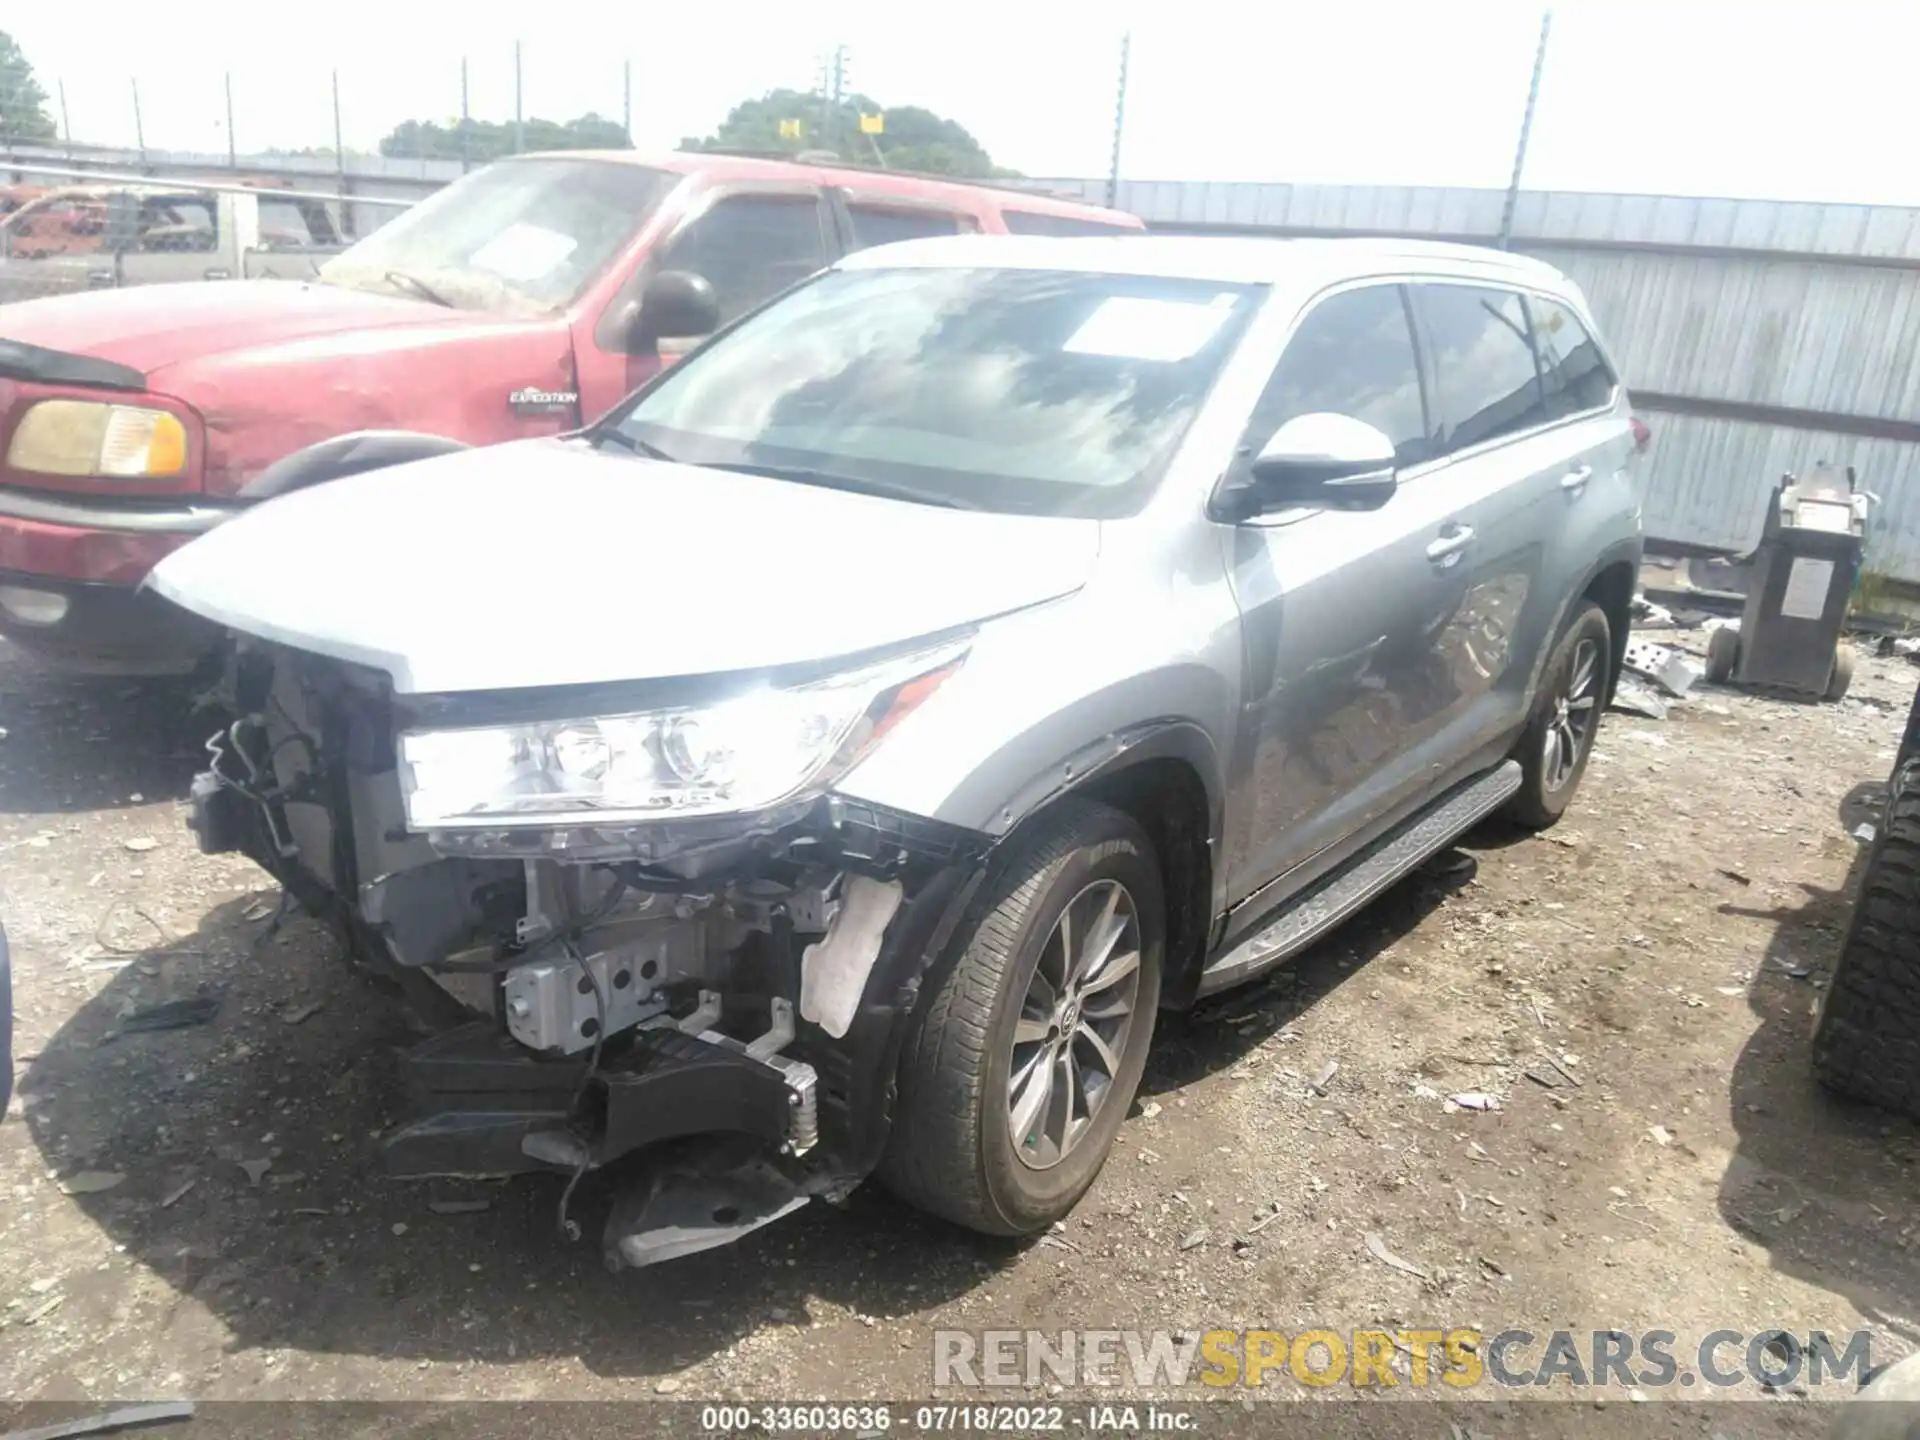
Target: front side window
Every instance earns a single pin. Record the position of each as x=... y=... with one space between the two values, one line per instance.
x=1352 y=355
x=750 y=247
x=521 y=237
x=1575 y=373
x=1033 y=391
x=1483 y=361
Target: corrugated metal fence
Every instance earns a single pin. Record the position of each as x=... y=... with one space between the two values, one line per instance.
x=1758 y=336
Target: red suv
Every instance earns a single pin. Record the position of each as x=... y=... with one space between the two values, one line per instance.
x=522 y=300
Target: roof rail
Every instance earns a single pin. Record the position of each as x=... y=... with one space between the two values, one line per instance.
x=854 y=167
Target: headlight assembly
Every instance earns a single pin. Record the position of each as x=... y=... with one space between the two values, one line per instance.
x=745 y=754
x=85 y=437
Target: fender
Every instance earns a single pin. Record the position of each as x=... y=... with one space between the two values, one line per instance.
x=1623 y=551
x=344 y=455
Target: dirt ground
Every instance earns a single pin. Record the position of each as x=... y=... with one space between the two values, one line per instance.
x=1665 y=943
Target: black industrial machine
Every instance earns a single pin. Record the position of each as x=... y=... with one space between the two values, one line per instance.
x=1801 y=579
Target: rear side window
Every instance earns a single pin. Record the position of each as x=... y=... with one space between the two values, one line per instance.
x=1483 y=362
x=1032 y=222
x=1575 y=373
x=179 y=224
x=874 y=225
x=1353 y=355
x=751 y=247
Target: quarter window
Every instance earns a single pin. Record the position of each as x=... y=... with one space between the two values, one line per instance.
x=1033 y=222
x=873 y=225
x=1353 y=355
x=1488 y=382
x=751 y=247
x=1575 y=373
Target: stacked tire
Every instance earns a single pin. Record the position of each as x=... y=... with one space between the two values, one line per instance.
x=1866 y=1042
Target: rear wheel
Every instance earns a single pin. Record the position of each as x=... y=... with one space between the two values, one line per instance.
x=1558 y=740
x=1028 y=1051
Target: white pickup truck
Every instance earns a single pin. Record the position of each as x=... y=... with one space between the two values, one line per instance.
x=93 y=236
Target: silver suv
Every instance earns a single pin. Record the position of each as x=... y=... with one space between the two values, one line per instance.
x=830 y=762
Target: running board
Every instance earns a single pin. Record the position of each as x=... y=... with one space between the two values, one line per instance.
x=1336 y=899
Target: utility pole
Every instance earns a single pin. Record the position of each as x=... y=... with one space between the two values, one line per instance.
x=1119 y=122
x=519 y=121
x=233 y=150
x=1526 y=130
x=833 y=81
x=463 y=115
x=66 y=130
x=139 y=131
x=626 y=98
x=340 y=161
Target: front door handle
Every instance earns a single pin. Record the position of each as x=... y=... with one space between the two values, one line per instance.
x=1446 y=549
x=1576 y=480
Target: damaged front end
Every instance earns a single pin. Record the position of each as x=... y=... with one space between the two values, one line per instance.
x=655 y=930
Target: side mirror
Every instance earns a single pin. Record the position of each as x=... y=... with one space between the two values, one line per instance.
x=676 y=305
x=1320 y=461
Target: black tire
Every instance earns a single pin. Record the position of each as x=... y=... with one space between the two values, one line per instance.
x=1910 y=737
x=1723 y=653
x=1866 y=1041
x=1841 y=676
x=951 y=1151
x=1540 y=803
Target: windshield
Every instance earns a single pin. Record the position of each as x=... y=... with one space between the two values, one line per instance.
x=523 y=237
x=1036 y=391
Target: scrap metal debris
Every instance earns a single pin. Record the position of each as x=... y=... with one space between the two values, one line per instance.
x=1377 y=1247
x=458 y=1207
x=91 y=1182
x=126 y=1418
x=255 y=1169
x=1195 y=1238
x=1661 y=1135
x=1325 y=1078
x=299 y=1013
x=1665 y=667
x=179 y=1190
x=1637 y=699
x=1472 y=1100
x=140 y=844
x=172 y=1015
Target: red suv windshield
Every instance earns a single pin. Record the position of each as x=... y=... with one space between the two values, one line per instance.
x=524 y=237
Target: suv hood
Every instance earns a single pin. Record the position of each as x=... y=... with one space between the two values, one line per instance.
x=150 y=327
x=545 y=562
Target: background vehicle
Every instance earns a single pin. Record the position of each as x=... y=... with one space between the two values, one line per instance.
x=88 y=237
x=521 y=300
x=1055 y=631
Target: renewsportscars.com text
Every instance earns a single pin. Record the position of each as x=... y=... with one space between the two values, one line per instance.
x=1455 y=1358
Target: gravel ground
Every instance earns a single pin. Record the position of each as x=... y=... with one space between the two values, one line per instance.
x=1665 y=944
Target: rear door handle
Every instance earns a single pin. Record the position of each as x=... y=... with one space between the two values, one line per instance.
x=1576 y=480
x=1446 y=549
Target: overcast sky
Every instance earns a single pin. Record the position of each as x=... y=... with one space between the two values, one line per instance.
x=1780 y=98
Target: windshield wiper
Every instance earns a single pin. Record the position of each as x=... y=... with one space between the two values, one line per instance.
x=828 y=480
x=403 y=281
x=635 y=444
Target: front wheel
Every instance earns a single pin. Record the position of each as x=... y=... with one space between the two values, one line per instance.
x=1026 y=1055
x=1558 y=740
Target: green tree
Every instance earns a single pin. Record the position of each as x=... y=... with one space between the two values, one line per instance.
x=23 y=104
x=913 y=138
x=490 y=139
